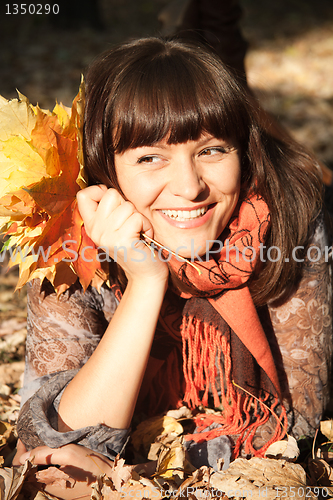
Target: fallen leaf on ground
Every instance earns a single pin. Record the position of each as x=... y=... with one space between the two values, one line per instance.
x=55 y=477
x=148 y=430
x=120 y=473
x=286 y=449
x=261 y=478
x=103 y=490
x=6 y=432
x=10 y=373
x=326 y=428
x=182 y=412
x=171 y=460
x=12 y=480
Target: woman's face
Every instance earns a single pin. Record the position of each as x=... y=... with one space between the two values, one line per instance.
x=188 y=191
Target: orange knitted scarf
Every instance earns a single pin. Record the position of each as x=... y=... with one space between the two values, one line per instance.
x=209 y=324
x=209 y=351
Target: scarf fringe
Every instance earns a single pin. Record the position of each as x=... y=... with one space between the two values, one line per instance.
x=206 y=358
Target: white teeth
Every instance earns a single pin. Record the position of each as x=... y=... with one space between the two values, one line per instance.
x=183 y=215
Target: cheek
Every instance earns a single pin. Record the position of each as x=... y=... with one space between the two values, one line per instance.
x=229 y=182
x=142 y=192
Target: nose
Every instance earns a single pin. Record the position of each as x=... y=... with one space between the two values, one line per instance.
x=187 y=180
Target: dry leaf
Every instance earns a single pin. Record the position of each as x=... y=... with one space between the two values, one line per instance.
x=326 y=428
x=198 y=486
x=11 y=480
x=102 y=490
x=161 y=443
x=261 y=478
x=182 y=412
x=286 y=449
x=55 y=477
x=120 y=473
x=199 y=478
x=325 y=454
x=148 y=430
x=5 y=432
x=171 y=461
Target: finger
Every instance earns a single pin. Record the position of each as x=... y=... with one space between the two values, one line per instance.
x=141 y=225
x=109 y=202
x=40 y=456
x=120 y=215
x=20 y=449
x=88 y=200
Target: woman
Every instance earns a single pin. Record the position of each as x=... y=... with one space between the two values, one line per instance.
x=233 y=313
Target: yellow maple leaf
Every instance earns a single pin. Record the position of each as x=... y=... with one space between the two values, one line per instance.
x=41 y=170
x=20 y=165
x=17 y=118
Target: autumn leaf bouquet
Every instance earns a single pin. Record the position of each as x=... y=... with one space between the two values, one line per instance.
x=41 y=170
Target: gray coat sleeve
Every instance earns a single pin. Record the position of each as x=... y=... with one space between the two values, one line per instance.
x=38 y=421
x=62 y=334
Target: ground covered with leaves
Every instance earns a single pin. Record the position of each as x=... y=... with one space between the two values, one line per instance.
x=289 y=66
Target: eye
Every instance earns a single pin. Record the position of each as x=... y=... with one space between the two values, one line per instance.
x=213 y=151
x=148 y=159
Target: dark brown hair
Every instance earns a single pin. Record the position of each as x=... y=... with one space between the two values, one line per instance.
x=150 y=89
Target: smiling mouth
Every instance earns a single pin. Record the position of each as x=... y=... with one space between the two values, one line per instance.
x=185 y=215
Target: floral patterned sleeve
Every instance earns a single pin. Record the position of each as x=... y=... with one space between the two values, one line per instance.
x=62 y=334
x=303 y=329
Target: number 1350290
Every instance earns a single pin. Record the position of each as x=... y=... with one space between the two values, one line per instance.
x=289 y=492
x=31 y=8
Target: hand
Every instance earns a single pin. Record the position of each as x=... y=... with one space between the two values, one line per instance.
x=116 y=226
x=80 y=463
x=76 y=460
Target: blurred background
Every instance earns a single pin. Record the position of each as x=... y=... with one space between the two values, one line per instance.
x=289 y=60
x=289 y=65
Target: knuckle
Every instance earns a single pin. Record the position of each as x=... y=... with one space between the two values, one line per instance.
x=80 y=195
x=84 y=193
x=128 y=206
x=113 y=194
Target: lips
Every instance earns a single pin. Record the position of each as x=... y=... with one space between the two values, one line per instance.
x=190 y=218
x=185 y=215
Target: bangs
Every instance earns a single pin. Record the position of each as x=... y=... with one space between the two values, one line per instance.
x=177 y=98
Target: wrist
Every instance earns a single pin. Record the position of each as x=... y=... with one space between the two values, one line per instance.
x=148 y=284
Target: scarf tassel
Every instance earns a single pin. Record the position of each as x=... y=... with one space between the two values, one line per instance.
x=206 y=359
